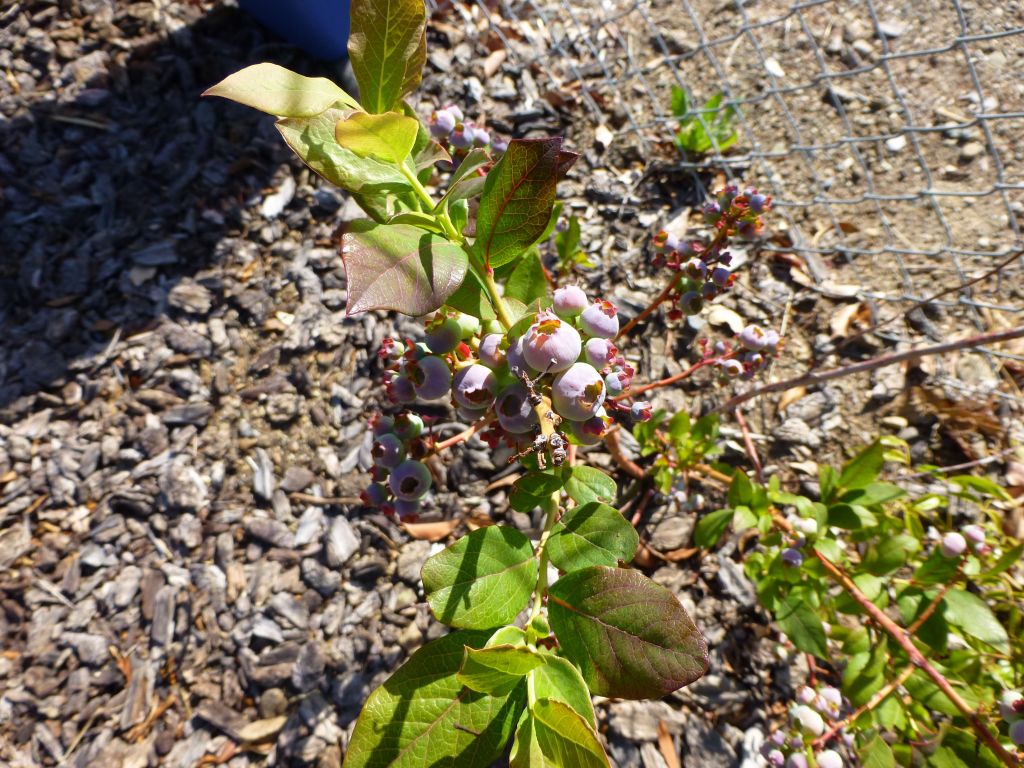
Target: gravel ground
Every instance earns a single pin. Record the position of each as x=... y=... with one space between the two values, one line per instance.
x=182 y=401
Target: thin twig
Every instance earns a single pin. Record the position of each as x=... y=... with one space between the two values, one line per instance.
x=668 y=381
x=882 y=694
x=819 y=377
x=666 y=291
x=323 y=501
x=939 y=596
x=614 y=445
x=465 y=434
x=749 y=443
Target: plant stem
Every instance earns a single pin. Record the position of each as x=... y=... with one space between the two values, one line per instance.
x=877 y=699
x=815 y=377
x=492 y=291
x=465 y=434
x=669 y=380
x=550 y=518
x=614 y=446
x=658 y=300
x=418 y=188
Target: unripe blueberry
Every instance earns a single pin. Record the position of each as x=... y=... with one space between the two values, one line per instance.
x=640 y=411
x=431 y=377
x=578 y=392
x=390 y=349
x=809 y=721
x=666 y=241
x=401 y=389
x=616 y=383
x=1017 y=733
x=806 y=525
x=696 y=269
x=441 y=123
x=805 y=694
x=515 y=414
x=405 y=508
x=829 y=758
x=732 y=368
x=515 y=358
x=691 y=302
x=953 y=545
x=588 y=432
x=775 y=758
x=1011 y=706
x=408 y=426
x=473 y=386
x=461 y=136
x=444 y=336
x=551 y=345
x=794 y=558
x=796 y=760
x=712 y=213
x=759 y=203
x=374 y=495
x=387 y=451
x=720 y=276
x=410 y=480
x=599 y=352
x=974 y=534
x=469 y=325
x=490 y=352
x=752 y=337
x=383 y=425
x=569 y=301
x=600 y=319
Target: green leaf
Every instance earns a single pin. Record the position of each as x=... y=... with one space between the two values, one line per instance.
x=1008 y=559
x=553 y=735
x=558 y=679
x=399 y=267
x=741 y=491
x=424 y=221
x=281 y=92
x=465 y=182
x=482 y=580
x=388 y=48
x=943 y=757
x=851 y=517
x=586 y=484
x=970 y=613
x=863 y=468
x=517 y=198
x=629 y=636
x=527 y=281
x=680 y=101
x=471 y=298
x=876 y=754
x=802 y=626
x=827 y=479
x=937 y=569
x=497 y=669
x=312 y=139
x=890 y=553
x=923 y=689
x=983 y=485
x=591 y=534
x=388 y=137
x=872 y=493
x=865 y=674
x=711 y=527
x=422 y=715
x=539 y=483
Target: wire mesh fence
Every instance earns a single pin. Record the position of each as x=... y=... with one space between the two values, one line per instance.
x=889 y=134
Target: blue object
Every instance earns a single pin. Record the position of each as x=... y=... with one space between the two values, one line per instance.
x=319 y=27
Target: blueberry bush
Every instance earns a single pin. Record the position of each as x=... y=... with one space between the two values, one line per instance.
x=456 y=224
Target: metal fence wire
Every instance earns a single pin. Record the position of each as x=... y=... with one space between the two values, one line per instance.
x=888 y=133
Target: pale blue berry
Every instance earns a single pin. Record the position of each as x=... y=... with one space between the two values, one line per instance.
x=490 y=351
x=410 y=480
x=600 y=319
x=569 y=301
x=473 y=386
x=551 y=345
x=387 y=451
x=578 y=392
x=515 y=414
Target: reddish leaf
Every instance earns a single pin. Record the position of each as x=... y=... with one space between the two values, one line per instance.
x=399 y=267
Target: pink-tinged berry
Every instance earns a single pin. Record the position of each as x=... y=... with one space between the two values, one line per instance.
x=431 y=377
x=408 y=426
x=732 y=368
x=829 y=701
x=569 y=301
x=796 y=760
x=410 y=480
x=809 y=721
x=1017 y=733
x=442 y=121
x=481 y=138
x=953 y=545
x=374 y=495
x=1011 y=706
x=390 y=349
x=578 y=392
x=498 y=146
x=490 y=351
x=805 y=694
x=599 y=352
x=753 y=337
x=600 y=319
x=617 y=382
x=640 y=411
x=443 y=335
x=382 y=425
x=387 y=451
x=974 y=534
x=588 y=432
x=829 y=758
x=406 y=509
x=794 y=558
x=462 y=136
x=473 y=386
x=515 y=414
x=775 y=758
x=551 y=345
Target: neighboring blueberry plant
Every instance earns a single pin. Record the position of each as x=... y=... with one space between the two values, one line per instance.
x=539 y=368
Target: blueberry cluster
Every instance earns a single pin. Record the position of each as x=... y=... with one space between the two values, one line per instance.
x=954 y=544
x=1011 y=707
x=808 y=718
x=400 y=479
x=704 y=267
x=754 y=346
x=449 y=127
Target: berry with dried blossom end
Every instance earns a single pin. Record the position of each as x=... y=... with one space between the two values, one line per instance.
x=829 y=758
x=696 y=269
x=691 y=302
x=578 y=392
x=617 y=382
x=775 y=758
x=599 y=352
x=515 y=414
x=1017 y=733
x=758 y=203
x=712 y=213
x=720 y=276
x=382 y=424
x=600 y=319
x=473 y=386
x=387 y=451
x=551 y=345
x=640 y=411
x=443 y=336
x=974 y=534
x=490 y=352
x=442 y=121
x=410 y=480
x=953 y=545
x=1011 y=706
x=401 y=389
x=809 y=721
x=665 y=241
x=408 y=426
x=588 y=432
x=794 y=558
x=732 y=368
x=391 y=349
x=829 y=701
x=569 y=301
x=753 y=337
x=462 y=136
x=431 y=378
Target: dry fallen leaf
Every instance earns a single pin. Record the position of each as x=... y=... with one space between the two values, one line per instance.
x=262 y=730
x=431 y=531
x=722 y=315
x=850 y=318
x=667 y=746
x=790 y=396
